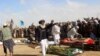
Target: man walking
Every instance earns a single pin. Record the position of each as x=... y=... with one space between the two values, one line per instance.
x=7 y=40
x=41 y=36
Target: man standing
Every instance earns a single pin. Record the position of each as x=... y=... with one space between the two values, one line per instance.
x=41 y=36
x=56 y=33
x=7 y=40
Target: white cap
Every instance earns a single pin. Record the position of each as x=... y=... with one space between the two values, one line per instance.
x=96 y=22
x=5 y=24
x=85 y=21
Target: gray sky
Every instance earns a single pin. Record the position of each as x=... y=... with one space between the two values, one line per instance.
x=59 y=10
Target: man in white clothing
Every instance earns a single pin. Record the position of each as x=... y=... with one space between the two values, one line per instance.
x=72 y=31
x=56 y=33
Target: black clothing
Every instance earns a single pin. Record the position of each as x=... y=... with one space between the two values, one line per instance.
x=8 y=44
x=41 y=33
x=49 y=27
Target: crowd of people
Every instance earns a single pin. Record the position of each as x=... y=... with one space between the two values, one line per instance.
x=88 y=27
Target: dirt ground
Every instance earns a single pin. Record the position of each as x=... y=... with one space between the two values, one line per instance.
x=26 y=50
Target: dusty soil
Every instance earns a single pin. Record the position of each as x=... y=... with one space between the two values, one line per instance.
x=26 y=50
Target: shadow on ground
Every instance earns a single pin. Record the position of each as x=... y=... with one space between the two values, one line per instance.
x=33 y=45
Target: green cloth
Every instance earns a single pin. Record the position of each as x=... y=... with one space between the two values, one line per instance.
x=6 y=33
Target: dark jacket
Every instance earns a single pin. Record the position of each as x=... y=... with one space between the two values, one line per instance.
x=41 y=33
x=1 y=36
